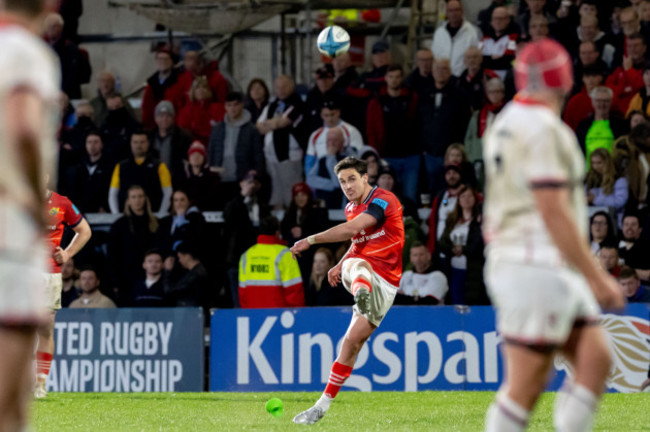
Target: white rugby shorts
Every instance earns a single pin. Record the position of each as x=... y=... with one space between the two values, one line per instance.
x=381 y=296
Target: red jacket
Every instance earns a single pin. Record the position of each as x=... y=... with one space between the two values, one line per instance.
x=198 y=118
x=625 y=85
x=155 y=92
x=375 y=126
x=218 y=84
x=577 y=109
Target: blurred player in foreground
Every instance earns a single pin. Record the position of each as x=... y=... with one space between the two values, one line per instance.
x=60 y=212
x=541 y=277
x=371 y=269
x=29 y=89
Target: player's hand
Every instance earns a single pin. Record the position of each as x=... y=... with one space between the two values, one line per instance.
x=334 y=275
x=60 y=255
x=299 y=247
x=608 y=293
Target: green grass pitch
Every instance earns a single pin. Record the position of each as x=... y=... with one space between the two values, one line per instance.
x=352 y=411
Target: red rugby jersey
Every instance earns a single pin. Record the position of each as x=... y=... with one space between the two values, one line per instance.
x=380 y=245
x=60 y=213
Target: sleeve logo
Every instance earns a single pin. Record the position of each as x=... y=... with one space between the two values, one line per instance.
x=380 y=202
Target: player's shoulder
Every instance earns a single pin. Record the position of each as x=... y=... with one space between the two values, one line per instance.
x=60 y=199
x=18 y=42
x=380 y=195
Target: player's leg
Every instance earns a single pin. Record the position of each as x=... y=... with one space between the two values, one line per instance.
x=576 y=403
x=359 y=274
x=527 y=368
x=16 y=346
x=44 y=354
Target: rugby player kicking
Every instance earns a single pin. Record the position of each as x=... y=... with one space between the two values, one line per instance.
x=371 y=269
x=544 y=283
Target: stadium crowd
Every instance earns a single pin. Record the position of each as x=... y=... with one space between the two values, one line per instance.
x=201 y=146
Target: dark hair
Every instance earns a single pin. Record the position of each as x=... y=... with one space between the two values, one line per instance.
x=261 y=82
x=234 y=97
x=393 y=68
x=634 y=215
x=456 y=215
x=187 y=248
x=611 y=235
x=95 y=132
x=637 y=36
x=32 y=8
x=627 y=272
x=153 y=252
x=350 y=162
x=609 y=245
x=417 y=244
x=269 y=225
x=139 y=132
x=90 y=268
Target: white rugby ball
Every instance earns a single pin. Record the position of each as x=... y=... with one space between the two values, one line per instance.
x=333 y=40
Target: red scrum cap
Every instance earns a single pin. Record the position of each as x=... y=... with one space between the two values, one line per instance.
x=543 y=65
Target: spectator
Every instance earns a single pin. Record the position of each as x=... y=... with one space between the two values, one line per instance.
x=73 y=141
x=627 y=80
x=129 y=238
x=257 y=97
x=538 y=28
x=318 y=95
x=500 y=42
x=392 y=129
x=200 y=181
x=69 y=277
x=462 y=244
x=641 y=99
x=305 y=215
x=444 y=116
x=473 y=78
x=633 y=249
x=235 y=146
x=71 y=11
x=345 y=74
x=608 y=258
x=169 y=143
x=423 y=285
x=67 y=112
x=117 y=129
x=588 y=58
x=91 y=297
x=185 y=224
x=196 y=65
x=485 y=15
x=193 y=286
x=630 y=25
x=601 y=231
x=319 y=292
x=536 y=9
x=75 y=67
x=443 y=204
x=162 y=85
x=603 y=187
x=321 y=178
x=588 y=31
x=90 y=179
x=331 y=118
x=420 y=80
x=105 y=89
x=580 y=105
x=636 y=117
x=454 y=36
x=635 y=161
x=602 y=127
x=456 y=155
x=615 y=29
x=481 y=120
x=631 y=286
x=200 y=113
x=268 y=276
x=387 y=180
x=143 y=170
x=149 y=290
x=371 y=157
x=282 y=125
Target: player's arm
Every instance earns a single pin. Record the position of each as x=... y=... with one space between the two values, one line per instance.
x=82 y=235
x=552 y=200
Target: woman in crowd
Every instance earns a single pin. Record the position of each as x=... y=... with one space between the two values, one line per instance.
x=199 y=181
x=636 y=117
x=319 y=291
x=603 y=187
x=201 y=112
x=129 y=238
x=462 y=246
x=601 y=231
x=257 y=97
x=184 y=224
x=483 y=118
x=370 y=155
x=457 y=155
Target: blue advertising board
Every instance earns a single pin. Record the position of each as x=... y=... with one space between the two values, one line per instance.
x=415 y=348
x=128 y=350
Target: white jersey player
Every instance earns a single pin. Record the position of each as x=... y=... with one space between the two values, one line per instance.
x=29 y=89
x=541 y=277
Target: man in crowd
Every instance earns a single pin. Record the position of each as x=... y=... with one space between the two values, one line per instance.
x=633 y=249
x=162 y=85
x=474 y=77
x=192 y=287
x=580 y=106
x=69 y=276
x=169 y=143
x=627 y=79
x=536 y=9
x=143 y=170
x=318 y=95
x=631 y=286
x=420 y=79
x=423 y=285
x=500 y=42
x=196 y=65
x=117 y=129
x=608 y=257
x=91 y=297
x=321 y=178
x=149 y=291
x=105 y=89
x=443 y=204
x=454 y=36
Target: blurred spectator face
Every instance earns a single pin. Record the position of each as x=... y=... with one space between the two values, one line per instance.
x=454 y=14
x=602 y=103
x=629 y=286
x=500 y=19
x=467 y=200
x=608 y=258
x=334 y=141
x=321 y=264
x=589 y=28
x=164 y=62
x=616 y=16
x=636 y=49
x=536 y=6
x=67 y=270
x=636 y=119
x=283 y=87
x=597 y=164
x=424 y=61
x=599 y=228
x=180 y=203
x=373 y=165
x=441 y=71
x=106 y=84
x=452 y=177
x=196 y=159
x=631 y=228
x=114 y=103
x=394 y=80
x=248 y=187
x=381 y=59
x=84 y=110
x=454 y=157
x=88 y=281
x=592 y=81
x=53 y=27
x=386 y=181
x=234 y=109
x=341 y=62
x=644 y=11
x=420 y=257
x=202 y=92
x=331 y=117
x=629 y=22
x=538 y=28
x=153 y=264
x=136 y=200
x=496 y=93
x=185 y=260
x=588 y=54
x=301 y=199
x=473 y=58
x=191 y=62
x=636 y=4
x=94 y=145
x=257 y=92
x=139 y=145
x=324 y=84
x=164 y=121
x=587 y=9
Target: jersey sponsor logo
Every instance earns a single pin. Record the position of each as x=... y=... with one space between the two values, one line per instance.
x=54 y=211
x=380 y=202
x=364 y=238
